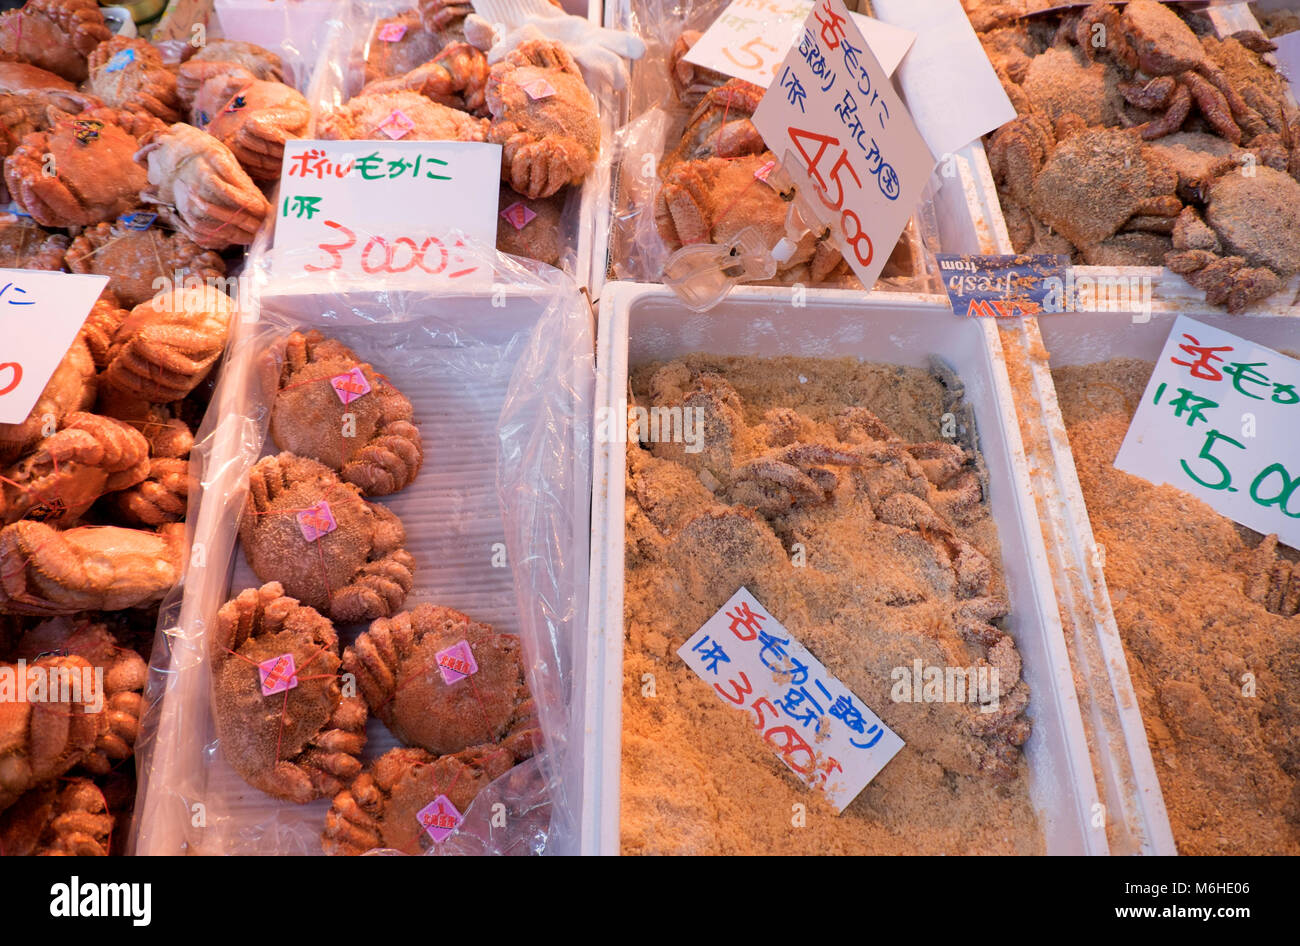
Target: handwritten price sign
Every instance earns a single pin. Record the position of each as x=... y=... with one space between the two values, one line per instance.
x=751 y=37
x=821 y=731
x=1219 y=420
x=40 y=314
x=842 y=133
x=367 y=209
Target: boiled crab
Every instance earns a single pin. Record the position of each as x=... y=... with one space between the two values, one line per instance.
x=139 y=262
x=456 y=77
x=71 y=388
x=200 y=188
x=300 y=745
x=544 y=118
x=221 y=56
x=332 y=407
x=24 y=245
x=56 y=35
x=442 y=681
x=130 y=73
x=68 y=817
x=400 y=115
x=328 y=547
x=253 y=118
x=41 y=739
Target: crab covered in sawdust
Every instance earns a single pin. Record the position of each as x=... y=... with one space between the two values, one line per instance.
x=56 y=35
x=397 y=45
x=200 y=188
x=67 y=817
x=405 y=115
x=456 y=77
x=530 y=228
x=443 y=682
x=405 y=794
x=221 y=56
x=1247 y=245
x=332 y=407
x=167 y=346
x=1271 y=580
x=71 y=388
x=332 y=550
x=41 y=739
x=83 y=170
x=282 y=720
x=1172 y=70
x=124 y=674
x=253 y=118
x=130 y=73
x=136 y=261
x=88 y=568
x=691 y=82
x=544 y=118
x=69 y=470
x=1086 y=183
x=24 y=245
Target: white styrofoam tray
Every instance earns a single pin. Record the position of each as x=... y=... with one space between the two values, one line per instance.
x=640 y=323
x=465 y=352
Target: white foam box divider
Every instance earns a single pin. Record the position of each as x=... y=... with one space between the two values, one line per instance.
x=643 y=323
x=451 y=512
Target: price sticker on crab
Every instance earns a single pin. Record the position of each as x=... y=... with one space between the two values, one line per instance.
x=843 y=135
x=393 y=209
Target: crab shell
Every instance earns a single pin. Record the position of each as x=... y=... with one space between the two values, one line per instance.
x=254 y=119
x=56 y=35
x=85 y=458
x=68 y=817
x=24 y=77
x=24 y=245
x=415 y=47
x=300 y=744
x=382 y=807
x=42 y=740
x=25 y=113
x=370 y=440
x=363 y=117
x=357 y=571
x=548 y=141
x=167 y=346
x=139 y=262
x=71 y=388
x=721 y=126
x=81 y=171
x=145 y=83
x=203 y=191
x=89 y=568
x=396 y=664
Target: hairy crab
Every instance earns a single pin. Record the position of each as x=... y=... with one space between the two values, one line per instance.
x=130 y=73
x=400 y=115
x=24 y=245
x=456 y=77
x=226 y=55
x=200 y=188
x=544 y=118
x=328 y=547
x=401 y=665
x=68 y=817
x=71 y=388
x=56 y=35
x=333 y=408
x=305 y=743
x=253 y=118
x=41 y=739
x=140 y=261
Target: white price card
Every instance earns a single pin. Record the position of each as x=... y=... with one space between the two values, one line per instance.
x=821 y=731
x=1219 y=419
x=379 y=210
x=842 y=133
x=751 y=37
x=40 y=314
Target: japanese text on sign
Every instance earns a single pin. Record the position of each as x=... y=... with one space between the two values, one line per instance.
x=340 y=203
x=821 y=731
x=844 y=136
x=40 y=313
x=1219 y=420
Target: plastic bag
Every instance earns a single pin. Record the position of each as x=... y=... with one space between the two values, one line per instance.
x=502 y=387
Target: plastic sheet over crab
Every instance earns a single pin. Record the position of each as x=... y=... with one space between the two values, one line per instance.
x=496 y=520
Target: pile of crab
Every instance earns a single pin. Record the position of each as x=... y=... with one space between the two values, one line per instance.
x=290 y=699
x=1140 y=141
x=123 y=165
x=418 y=78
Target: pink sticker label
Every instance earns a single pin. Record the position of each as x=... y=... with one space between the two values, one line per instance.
x=396 y=125
x=278 y=674
x=316 y=521
x=440 y=818
x=392 y=32
x=456 y=662
x=763 y=172
x=350 y=385
x=518 y=215
x=539 y=89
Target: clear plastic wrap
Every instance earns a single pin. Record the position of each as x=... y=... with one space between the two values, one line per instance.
x=582 y=226
x=655 y=120
x=497 y=520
